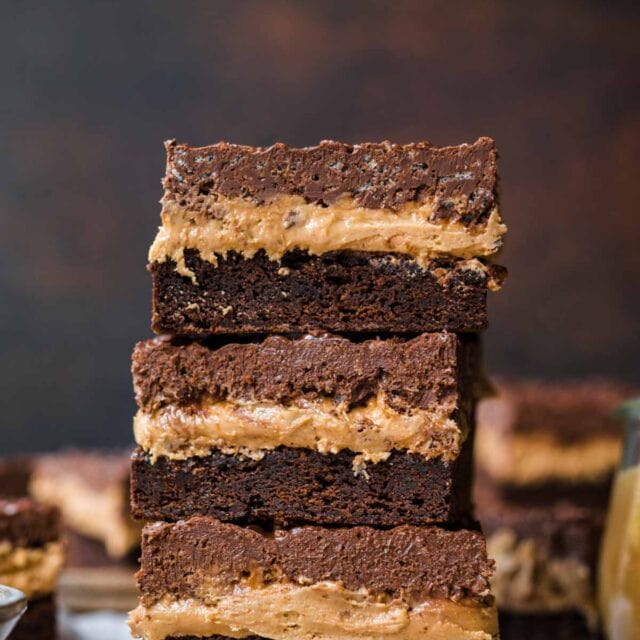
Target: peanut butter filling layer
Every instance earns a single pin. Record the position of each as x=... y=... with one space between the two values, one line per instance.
x=98 y=515
x=539 y=457
x=220 y=225
x=529 y=581
x=251 y=427
x=324 y=610
x=33 y=570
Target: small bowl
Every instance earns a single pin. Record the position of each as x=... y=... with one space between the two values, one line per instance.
x=12 y=605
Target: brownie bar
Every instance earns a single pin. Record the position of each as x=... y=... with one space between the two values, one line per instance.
x=340 y=291
x=15 y=473
x=337 y=582
x=38 y=622
x=299 y=485
x=91 y=489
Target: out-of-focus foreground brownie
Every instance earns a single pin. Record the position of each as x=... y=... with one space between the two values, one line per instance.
x=31 y=556
x=407 y=582
x=371 y=237
x=545 y=455
x=317 y=429
x=91 y=489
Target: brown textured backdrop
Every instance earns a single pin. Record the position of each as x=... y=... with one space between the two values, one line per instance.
x=90 y=90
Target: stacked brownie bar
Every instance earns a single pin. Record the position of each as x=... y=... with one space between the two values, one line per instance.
x=305 y=427
x=545 y=455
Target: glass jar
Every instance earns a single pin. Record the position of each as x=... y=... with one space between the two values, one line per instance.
x=619 y=574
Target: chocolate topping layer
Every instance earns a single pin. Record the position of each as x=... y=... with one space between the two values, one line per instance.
x=289 y=486
x=432 y=371
x=411 y=563
x=376 y=175
x=26 y=523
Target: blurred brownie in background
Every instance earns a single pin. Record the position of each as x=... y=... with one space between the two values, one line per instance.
x=15 y=474
x=91 y=489
x=545 y=456
x=31 y=557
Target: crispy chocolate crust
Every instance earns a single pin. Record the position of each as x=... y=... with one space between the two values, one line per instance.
x=428 y=372
x=571 y=410
x=302 y=486
x=341 y=291
x=412 y=563
x=38 y=622
x=561 y=625
x=376 y=175
x=26 y=523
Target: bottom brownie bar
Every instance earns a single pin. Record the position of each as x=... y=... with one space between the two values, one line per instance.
x=38 y=622
x=301 y=485
x=201 y=578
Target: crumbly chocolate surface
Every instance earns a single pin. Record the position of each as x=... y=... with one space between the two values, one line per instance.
x=299 y=485
x=376 y=175
x=432 y=371
x=341 y=291
x=38 y=621
x=26 y=523
x=412 y=563
x=570 y=410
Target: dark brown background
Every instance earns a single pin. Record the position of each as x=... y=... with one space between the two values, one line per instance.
x=90 y=90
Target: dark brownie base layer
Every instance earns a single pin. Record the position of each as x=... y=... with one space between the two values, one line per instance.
x=342 y=291
x=300 y=485
x=407 y=562
x=26 y=523
x=564 y=625
x=38 y=622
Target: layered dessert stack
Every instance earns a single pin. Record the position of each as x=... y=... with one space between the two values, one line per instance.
x=545 y=456
x=305 y=426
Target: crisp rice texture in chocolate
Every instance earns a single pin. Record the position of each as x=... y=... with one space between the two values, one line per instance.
x=432 y=371
x=339 y=291
x=376 y=175
x=26 y=523
x=299 y=485
x=412 y=563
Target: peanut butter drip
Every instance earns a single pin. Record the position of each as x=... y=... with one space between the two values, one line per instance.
x=252 y=427
x=32 y=570
x=326 y=610
x=220 y=225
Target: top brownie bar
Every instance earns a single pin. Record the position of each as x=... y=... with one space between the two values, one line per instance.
x=369 y=237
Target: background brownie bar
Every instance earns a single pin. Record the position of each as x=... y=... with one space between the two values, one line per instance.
x=560 y=625
x=25 y=523
x=340 y=291
x=299 y=485
x=15 y=473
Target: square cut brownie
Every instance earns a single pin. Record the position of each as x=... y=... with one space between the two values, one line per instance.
x=205 y=579
x=317 y=429
x=31 y=557
x=374 y=237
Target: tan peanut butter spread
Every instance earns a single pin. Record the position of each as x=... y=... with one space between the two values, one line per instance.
x=32 y=570
x=251 y=427
x=529 y=581
x=101 y=515
x=539 y=457
x=289 y=222
x=324 y=610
